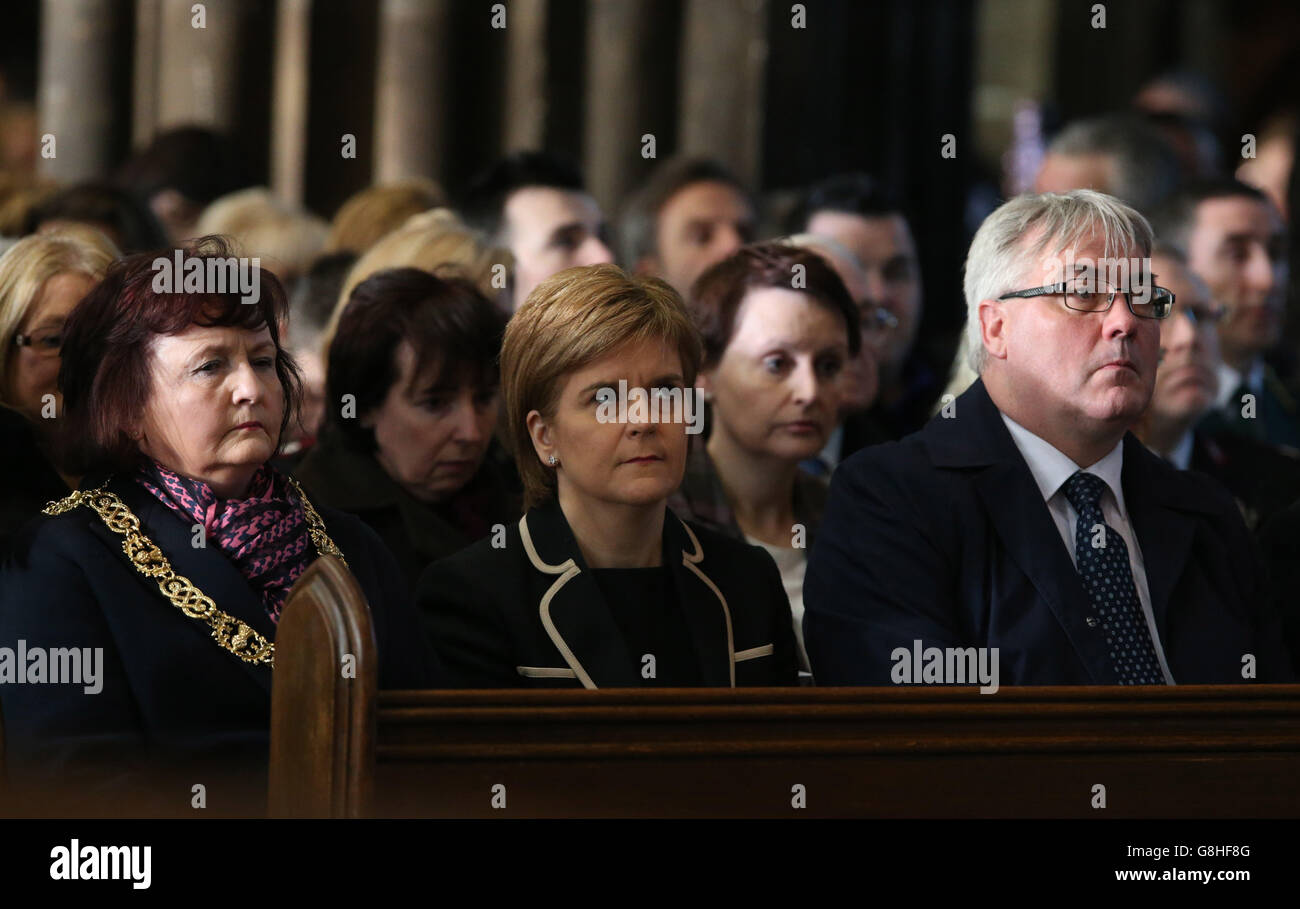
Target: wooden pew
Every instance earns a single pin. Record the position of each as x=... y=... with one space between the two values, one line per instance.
x=341 y=749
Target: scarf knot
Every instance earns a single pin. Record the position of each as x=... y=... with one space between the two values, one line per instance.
x=264 y=534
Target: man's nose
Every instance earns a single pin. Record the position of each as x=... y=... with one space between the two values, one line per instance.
x=594 y=252
x=1119 y=321
x=1261 y=271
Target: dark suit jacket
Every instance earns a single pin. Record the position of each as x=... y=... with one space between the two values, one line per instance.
x=530 y=614
x=418 y=534
x=28 y=481
x=944 y=537
x=168 y=690
x=1263 y=478
x=1276 y=420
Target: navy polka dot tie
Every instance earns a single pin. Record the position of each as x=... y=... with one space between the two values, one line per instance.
x=1103 y=564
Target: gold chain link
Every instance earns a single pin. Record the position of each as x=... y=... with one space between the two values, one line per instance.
x=229 y=632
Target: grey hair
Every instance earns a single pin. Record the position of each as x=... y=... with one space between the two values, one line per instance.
x=1145 y=169
x=819 y=243
x=1000 y=250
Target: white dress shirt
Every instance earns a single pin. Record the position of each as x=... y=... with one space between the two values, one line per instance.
x=792 y=563
x=1230 y=380
x=1051 y=468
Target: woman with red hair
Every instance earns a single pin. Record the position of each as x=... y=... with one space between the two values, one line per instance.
x=176 y=399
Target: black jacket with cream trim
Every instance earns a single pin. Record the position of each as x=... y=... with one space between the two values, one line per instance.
x=530 y=613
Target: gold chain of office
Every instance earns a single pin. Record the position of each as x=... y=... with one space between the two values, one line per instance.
x=229 y=632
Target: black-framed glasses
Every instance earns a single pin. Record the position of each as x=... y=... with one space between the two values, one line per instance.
x=44 y=343
x=1099 y=297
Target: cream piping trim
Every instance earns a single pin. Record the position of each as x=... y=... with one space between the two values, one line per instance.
x=545 y=672
x=754 y=653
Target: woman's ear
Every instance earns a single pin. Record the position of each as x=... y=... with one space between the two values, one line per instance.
x=539 y=430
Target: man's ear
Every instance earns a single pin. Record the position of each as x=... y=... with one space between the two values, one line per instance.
x=993 y=328
x=539 y=430
x=704 y=382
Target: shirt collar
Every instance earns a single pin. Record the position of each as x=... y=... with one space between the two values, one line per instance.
x=1051 y=467
x=1181 y=455
x=1230 y=380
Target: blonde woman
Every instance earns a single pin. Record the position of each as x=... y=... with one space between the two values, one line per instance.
x=435 y=241
x=42 y=279
x=600 y=584
x=372 y=213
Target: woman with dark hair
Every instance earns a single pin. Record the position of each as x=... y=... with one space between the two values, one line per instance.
x=172 y=561
x=411 y=391
x=779 y=327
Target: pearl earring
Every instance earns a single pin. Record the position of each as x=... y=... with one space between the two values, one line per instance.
x=553 y=460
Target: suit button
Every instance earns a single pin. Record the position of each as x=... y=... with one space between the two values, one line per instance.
x=1092 y=621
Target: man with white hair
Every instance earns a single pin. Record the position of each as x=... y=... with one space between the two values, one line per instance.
x=1025 y=522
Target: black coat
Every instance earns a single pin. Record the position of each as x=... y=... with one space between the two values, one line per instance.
x=944 y=537
x=417 y=533
x=28 y=481
x=531 y=614
x=168 y=690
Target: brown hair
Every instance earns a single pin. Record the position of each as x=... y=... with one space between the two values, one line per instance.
x=718 y=293
x=571 y=319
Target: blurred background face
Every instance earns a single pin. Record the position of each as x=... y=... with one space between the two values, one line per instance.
x=34 y=370
x=860 y=379
x=885 y=250
x=1186 y=380
x=431 y=438
x=549 y=230
x=1097 y=368
x=1062 y=173
x=776 y=390
x=632 y=463
x=215 y=405
x=1237 y=245
x=701 y=224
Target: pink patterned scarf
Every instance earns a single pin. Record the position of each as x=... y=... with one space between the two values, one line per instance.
x=264 y=534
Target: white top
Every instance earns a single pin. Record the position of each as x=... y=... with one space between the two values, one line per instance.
x=1051 y=468
x=1230 y=380
x=1181 y=456
x=791 y=563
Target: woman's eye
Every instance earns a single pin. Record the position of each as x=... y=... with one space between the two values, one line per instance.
x=209 y=367
x=265 y=362
x=774 y=364
x=51 y=342
x=830 y=367
x=434 y=403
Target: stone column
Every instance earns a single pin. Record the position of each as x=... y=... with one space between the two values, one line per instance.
x=198 y=63
x=723 y=66
x=289 y=108
x=524 y=126
x=619 y=107
x=410 y=107
x=74 y=94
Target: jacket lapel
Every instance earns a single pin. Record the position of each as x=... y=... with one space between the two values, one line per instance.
x=570 y=605
x=977 y=437
x=708 y=615
x=207 y=568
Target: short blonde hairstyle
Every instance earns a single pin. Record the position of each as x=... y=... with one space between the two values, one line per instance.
x=438 y=242
x=33 y=260
x=378 y=210
x=571 y=319
x=285 y=239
